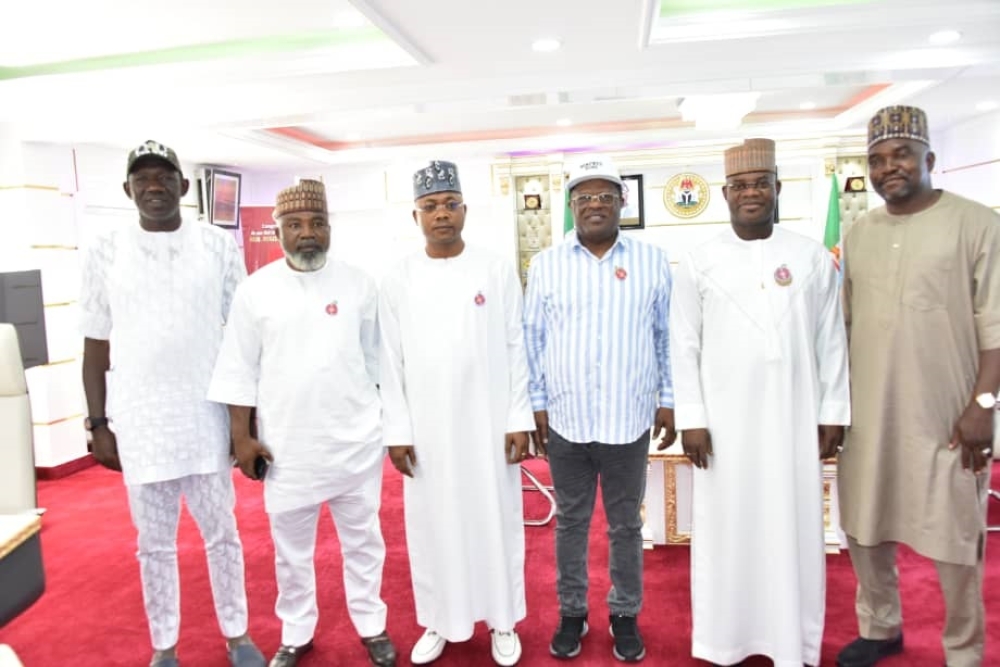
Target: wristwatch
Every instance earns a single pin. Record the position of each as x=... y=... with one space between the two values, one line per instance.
x=91 y=423
x=987 y=401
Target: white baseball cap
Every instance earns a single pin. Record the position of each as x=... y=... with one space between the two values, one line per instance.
x=591 y=167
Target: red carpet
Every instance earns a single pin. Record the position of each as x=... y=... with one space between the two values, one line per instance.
x=91 y=613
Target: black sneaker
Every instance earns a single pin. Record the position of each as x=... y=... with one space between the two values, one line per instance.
x=628 y=641
x=866 y=652
x=566 y=642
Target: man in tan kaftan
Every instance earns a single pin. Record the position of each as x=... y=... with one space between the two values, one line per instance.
x=922 y=304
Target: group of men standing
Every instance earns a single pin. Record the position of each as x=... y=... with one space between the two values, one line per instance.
x=745 y=351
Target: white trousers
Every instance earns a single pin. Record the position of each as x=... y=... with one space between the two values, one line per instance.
x=355 y=515
x=156 y=509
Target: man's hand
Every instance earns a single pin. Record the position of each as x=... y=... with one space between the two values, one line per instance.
x=974 y=434
x=516 y=447
x=664 y=423
x=542 y=434
x=404 y=458
x=831 y=440
x=246 y=450
x=697 y=445
x=105 y=448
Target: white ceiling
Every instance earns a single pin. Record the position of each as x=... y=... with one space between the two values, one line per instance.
x=373 y=80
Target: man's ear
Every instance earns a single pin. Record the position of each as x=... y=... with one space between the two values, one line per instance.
x=185 y=184
x=127 y=189
x=417 y=222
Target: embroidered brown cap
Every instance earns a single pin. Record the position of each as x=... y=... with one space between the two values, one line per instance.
x=307 y=196
x=751 y=155
x=898 y=122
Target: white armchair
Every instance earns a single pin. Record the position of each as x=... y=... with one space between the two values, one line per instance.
x=17 y=474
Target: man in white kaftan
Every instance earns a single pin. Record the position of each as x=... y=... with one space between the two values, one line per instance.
x=454 y=388
x=153 y=301
x=301 y=346
x=759 y=356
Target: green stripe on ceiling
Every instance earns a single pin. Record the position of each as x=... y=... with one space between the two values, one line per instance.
x=304 y=41
x=672 y=8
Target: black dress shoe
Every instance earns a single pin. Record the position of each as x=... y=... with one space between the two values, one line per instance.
x=866 y=652
x=380 y=650
x=288 y=656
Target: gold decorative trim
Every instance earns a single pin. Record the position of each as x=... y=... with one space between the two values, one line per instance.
x=58 y=305
x=21 y=537
x=54 y=247
x=58 y=421
x=670 y=463
x=30 y=186
x=712 y=184
x=61 y=362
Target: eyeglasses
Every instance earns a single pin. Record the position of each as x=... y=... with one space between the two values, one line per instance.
x=604 y=199
x=430 y=207
x=759 y=184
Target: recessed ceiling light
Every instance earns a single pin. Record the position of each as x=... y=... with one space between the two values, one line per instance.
x=943 y=37
x=564 y=122
x=988 y=105
x=546 y=45
x=807 y=106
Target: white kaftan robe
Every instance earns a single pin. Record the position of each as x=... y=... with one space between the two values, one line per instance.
x=760 y=365
x=302 y=346
x=161 y=298
x=454 y=382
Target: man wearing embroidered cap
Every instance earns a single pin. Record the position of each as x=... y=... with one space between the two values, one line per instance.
x=157 y=293
x=922 y=303
x=301 y=346
x=454 y=386
x=759 y=355
x=596 y=331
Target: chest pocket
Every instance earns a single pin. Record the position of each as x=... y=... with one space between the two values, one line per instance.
x=926 y=280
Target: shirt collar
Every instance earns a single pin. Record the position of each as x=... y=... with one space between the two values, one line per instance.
x=622 y=243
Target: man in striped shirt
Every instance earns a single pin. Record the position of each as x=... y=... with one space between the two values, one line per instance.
x=595 y=327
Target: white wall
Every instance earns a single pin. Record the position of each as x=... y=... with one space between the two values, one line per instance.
x=968 y=159
x=372 y=210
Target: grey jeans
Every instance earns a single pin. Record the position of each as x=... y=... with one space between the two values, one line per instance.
x=576 y=468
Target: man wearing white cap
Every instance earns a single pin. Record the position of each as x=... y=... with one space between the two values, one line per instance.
x=454 y=385
x=759 y=355
x=301 y=346
x=922 y=300
x=154 y=298
x=595 y=326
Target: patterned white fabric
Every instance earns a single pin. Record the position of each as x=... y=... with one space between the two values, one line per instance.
x=161 y=298
x=155 y=511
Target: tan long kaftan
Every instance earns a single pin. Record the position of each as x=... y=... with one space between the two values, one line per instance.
x=922 y=298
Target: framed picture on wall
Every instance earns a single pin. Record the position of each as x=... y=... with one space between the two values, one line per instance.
x=224 y=198
x=633 y=213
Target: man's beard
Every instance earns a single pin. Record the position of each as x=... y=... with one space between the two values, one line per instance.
x=309 y=260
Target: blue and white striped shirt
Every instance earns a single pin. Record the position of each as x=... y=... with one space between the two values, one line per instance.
x=597 y=339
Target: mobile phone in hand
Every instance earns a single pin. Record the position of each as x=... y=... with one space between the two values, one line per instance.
x=260 y=468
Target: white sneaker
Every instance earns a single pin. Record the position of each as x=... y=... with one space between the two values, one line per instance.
x=428 y=648
x=506 y=647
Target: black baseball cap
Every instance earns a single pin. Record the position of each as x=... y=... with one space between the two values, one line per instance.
x=153 y=150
